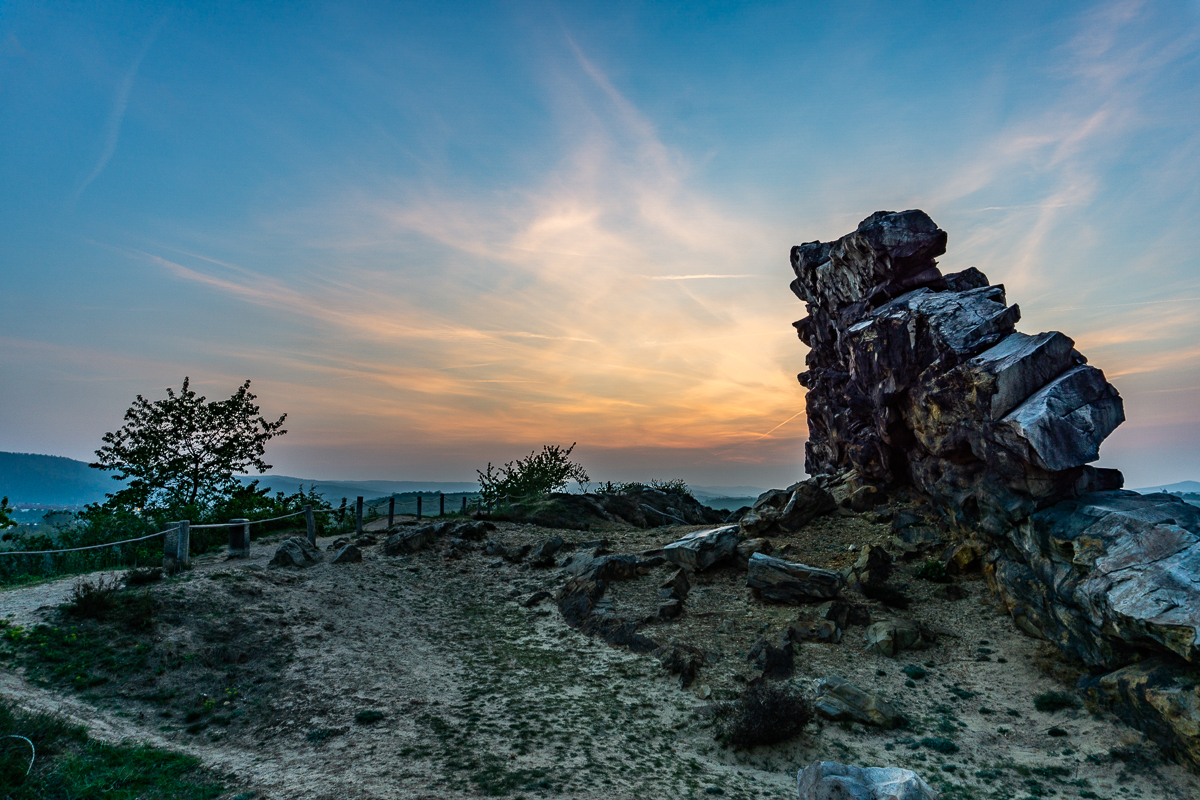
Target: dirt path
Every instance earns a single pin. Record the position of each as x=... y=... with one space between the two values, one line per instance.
x=477 y=695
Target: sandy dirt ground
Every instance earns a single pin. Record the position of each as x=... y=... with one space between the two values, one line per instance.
x=423 y=676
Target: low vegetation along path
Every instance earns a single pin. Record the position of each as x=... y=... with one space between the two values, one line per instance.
x=429 y=676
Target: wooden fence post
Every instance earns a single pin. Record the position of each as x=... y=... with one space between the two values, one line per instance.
x=311 y=522
x=239 y=538
x=184 y=554
x=464 y=508
x=391 y=510
x=170 y=548
x=418 y=506
x=358 y=505
x=441 y=504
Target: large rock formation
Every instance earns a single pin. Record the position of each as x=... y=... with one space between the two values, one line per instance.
x=920 y=380
x=918 y=377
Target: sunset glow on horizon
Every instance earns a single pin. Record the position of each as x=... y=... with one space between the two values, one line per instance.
x=442 y=237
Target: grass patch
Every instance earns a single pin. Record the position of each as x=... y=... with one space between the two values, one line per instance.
x=1050 y=702
x=70 y=766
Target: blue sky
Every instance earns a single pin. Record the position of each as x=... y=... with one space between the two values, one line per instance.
x=442 y=234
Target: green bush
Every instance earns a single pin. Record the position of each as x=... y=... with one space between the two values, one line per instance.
x=533 y=476
x=933 y=571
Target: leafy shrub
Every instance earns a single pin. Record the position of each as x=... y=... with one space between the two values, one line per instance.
x=94 y=599
x=675 y=486
x=766 y=713
x=1054 y=701
x=535 y=475
x=933 y=571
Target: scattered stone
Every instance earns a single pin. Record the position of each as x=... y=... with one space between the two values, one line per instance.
x=296 y=552
x=669 y=609
x=750 y=547
x=873 y=568
x=350 y=554
x=700 y=550
x=410 y=540
x=603 y=568
x=838 y=699
x=683 y=660
x=890 y=637
x=366 y=540
x=828 y=780
x=675 y=587
x=337 y=544
x=814 y=629
x=788 y=582
x=543 y=554
x=844 y=614
x=535 y=598
x=787 y=510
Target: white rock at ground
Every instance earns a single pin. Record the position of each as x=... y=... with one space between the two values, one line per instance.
x=829 y=780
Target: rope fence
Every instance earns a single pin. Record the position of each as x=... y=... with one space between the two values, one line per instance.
x=176 y=552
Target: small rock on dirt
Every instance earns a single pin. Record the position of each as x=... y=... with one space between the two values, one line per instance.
x=296 y=552
x=348 y=555
x=700 y=550
x=789 y=582
x=838 y=699
x=890 y=637
x=829 y=780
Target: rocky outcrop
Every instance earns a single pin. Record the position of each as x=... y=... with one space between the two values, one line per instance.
x=919 y=382
x=1106 y=576
x=828 y=780
x=918 y=377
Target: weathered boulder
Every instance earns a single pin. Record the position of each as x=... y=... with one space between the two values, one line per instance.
x=675 y=587
x=811 y=628
x=603 y=568
x=788 y=509
x=702 y=549
x=410 y=540
x=890 y=637
x=828 y=780
x=873 y=568
x=749 y=547
x=683 y=660
x=838 y=699
x=788 y=582
x=1159 y=697
x=296 y=552
x=1107 y=576
x=543 y=554
x=348 y=555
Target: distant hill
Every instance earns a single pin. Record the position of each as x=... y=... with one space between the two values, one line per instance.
x=57 y=481
x=1186 y=487
x=52 y=480
x=333 y=490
